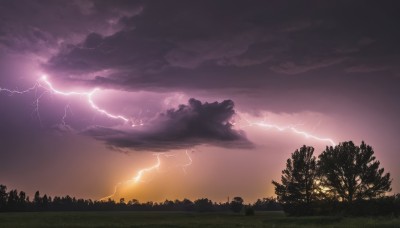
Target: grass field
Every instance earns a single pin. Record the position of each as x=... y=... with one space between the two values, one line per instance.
x=182 y=219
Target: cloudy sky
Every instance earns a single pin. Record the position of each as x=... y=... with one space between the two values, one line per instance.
x=220 y=91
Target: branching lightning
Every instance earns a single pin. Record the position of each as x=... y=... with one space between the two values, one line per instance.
x=48 y=88
x=44 y=83
x=88 y=95
x=12 y=92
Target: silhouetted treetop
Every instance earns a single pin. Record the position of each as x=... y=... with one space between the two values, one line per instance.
x=352 y=172
x=298 y=178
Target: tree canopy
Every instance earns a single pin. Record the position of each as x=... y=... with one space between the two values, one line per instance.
x=298 y=179
x=341 y=175
x=351 y=172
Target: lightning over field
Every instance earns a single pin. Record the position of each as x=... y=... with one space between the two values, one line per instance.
x=150 y=100
x=44 y=83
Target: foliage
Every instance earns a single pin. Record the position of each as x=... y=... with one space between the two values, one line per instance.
x=346 y=179
x=236 y=204
x=299 y=187
x=203 y=205
x=17 y=201
x=352 y=172
x=267 y=204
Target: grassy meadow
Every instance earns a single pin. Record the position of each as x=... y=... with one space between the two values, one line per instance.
x=183 y=219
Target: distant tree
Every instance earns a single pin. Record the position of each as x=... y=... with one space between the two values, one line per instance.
x=236 y=204
x=45 y=202
x=203 y=205
x=12 y=201
x=37 y=199
x=168 y=204
x=3 y=197
x=299 y=187
x=352 y=172
x=267 y=204
x=22 y=201
x=187 y=205
x=133 y=202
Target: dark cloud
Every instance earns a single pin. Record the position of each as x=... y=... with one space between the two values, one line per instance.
x=210 y=41
x=336 y=58
x=188 y=125
x=270 y=50
x=305 y=65
x=44 y=26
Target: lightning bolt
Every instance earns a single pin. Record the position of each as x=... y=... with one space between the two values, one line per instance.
x=137 y=178
x=45 y=84
x=139 y=174
x=12 y=92
x=189 y=162
x=66 y=109
x=88 y=95
x=293 y=130
x=48 y=87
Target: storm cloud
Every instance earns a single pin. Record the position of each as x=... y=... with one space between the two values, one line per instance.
x=163 y=42
x=187 y=126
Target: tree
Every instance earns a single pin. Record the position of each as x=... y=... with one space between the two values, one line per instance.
x=203 y=205
x=298 y=188
x=45 y=202
x=236 y=204
x=22 y=200
x=350 y=172
x=3 y=197
x=37 y=200
x=12 y=201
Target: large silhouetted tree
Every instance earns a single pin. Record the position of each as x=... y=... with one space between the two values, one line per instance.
x=352 y=172
x=298 y=187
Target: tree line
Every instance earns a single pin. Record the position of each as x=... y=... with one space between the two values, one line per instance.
x=14 y=201
x=345 y=179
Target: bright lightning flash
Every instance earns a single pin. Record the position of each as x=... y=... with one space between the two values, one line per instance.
x=293 y=130
x=45 y=84
x=88 y=95
x=135 y=179
x=139 y=175
x=187 y=164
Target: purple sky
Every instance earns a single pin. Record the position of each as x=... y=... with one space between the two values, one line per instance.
x=192 y=76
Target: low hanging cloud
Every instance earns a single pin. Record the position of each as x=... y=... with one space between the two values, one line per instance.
x=187 y=126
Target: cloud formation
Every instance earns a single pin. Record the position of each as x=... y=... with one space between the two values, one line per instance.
x=188 y=125
x=214 y=45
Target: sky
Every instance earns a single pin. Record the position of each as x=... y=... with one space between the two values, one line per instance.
x=190 y=99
